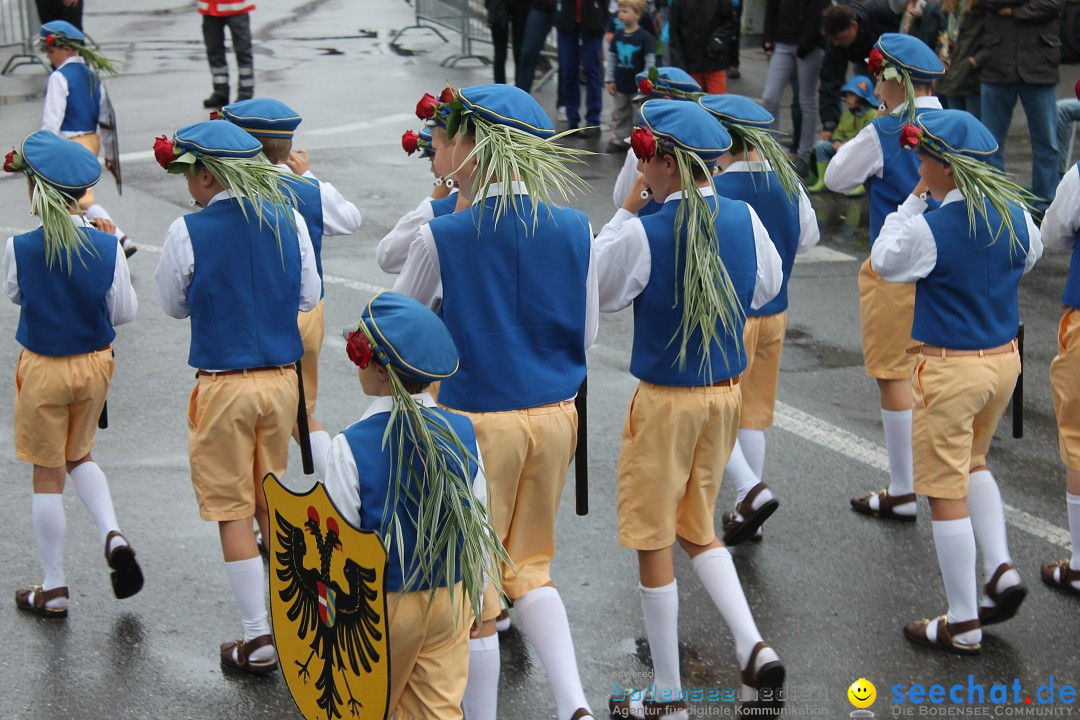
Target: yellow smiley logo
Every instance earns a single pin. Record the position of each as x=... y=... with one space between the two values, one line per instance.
x=862 y=693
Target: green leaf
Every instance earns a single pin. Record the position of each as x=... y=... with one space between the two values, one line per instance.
x=654 y=74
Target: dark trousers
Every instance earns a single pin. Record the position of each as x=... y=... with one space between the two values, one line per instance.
x=733 y=50
x=577 y=52
x=214 y=37
x=49 y=10
x=513 y=30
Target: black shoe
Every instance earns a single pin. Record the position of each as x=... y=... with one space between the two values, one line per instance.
x=802 y=166
x=216 y=100
x=244 y=96
x=590 y=132
x=733 y=73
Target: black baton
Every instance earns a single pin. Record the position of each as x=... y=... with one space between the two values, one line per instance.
x=301 y=424
x=1018 y=391
x=581 y=454
x=103 y=418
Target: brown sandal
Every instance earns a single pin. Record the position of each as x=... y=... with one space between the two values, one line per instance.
x=1006 y=602
x=243 y=649
x=127 y=577
x=738 y=531
x=40 y=597
x=768 y=680
x=1061 y=576
x=916 y=633
x=886 y=503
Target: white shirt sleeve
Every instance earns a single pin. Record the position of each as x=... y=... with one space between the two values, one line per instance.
x=809 y=234
x=421 y=276
x=393 y=249
x=340 y=217
x=626 y=179
x=1062 y=219
x=770 y=268
x=121 y=299
x=905 y=250
x=310 y=282
x=479 y=483
x=56 y=92
x=11 y=273
x=592 y=295
x=175 y=269
x=1035 y=243
x=624 y=262
x=855 y=162
x=342 y=481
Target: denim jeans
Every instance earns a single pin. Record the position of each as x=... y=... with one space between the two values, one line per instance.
x=537 y=26
x=824 y=151
x=972 y=103
x=1068 y=112
x=782 y=65
x=1040 y=106
x=579 y=52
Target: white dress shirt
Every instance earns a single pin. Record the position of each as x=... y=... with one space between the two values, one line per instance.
x=628 y=175
x=860 y=158
x=1062 y=219
x=177 y=266
x=393 y=249
x=905 y=251
x=809 y=234
x=342 y=480
x=421 y=276
x=120 y=299
x=56 y=94
x=339 y=216
x=624 y=261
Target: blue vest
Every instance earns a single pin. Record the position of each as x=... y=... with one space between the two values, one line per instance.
x=377 y=465
x=444 y=205
x=309 y=205
x=899 y=174
x=650 y=208
x=658 y=309
x=778 y=214
x=64 y=313
x=245 y=292
x=514 y=301
x=83 y=99
x=969 y=301
x=1072 y=284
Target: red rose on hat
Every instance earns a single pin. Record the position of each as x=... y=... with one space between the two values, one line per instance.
x=50 y=39
x=1077 y=89
x=216 y=115
x=359 y=349
x=645 y=87
x=643 y=143
x=876 y=62
x=425 y=109
x=410 y=141
x=9 y=162
x=164 y=151
x=910 y=137
x=447 y=95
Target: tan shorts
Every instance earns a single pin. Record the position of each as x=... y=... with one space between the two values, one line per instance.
x=239 y=428
x=675 y=444
x=429 y=653
x=91 y=142
x=763 y=338
x=958 y=402
x=526 y=455
x=886 y=310
x=58 y=401
x=312 y=328
x=1065 y=382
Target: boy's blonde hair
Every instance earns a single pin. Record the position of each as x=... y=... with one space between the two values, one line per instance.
x=637 y=6
x=276 y=149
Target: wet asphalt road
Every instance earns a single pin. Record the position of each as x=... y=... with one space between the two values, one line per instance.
x=830 y=590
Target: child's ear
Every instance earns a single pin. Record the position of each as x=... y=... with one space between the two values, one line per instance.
x=383 y=375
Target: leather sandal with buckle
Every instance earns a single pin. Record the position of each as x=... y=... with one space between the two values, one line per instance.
x=127 y=577
x=243 y=650
x=739 y=531
x=886 y=503
x=1006 y=602
x=768 y=680
x=1061 y=576
x=916 y=632
x=40 y=596
x=729 y=517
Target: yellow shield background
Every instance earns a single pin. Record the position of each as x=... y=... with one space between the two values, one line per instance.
x=328 y=606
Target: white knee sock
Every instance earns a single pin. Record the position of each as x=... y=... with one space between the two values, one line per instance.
x=660 y=607
x=898 y=442
x=954 y=541
x=988 y=523
x=47 y=514
x=717 y=573
x=93 y=490
x=738 y=469
x=320 y=450
x=752 y=443
x=246 y=579
x=543 y=618
x=481 y=701
x=1073 y=502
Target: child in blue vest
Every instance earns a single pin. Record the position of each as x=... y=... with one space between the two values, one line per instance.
x=683 y=419
x=904 y=68
x=756 y=170
x=72 y=287
x=76 y=104
x=241 y=269
x=401 y=347
x=1060 y=230
x=326 y=214
x=965 y=260
x=522 y=362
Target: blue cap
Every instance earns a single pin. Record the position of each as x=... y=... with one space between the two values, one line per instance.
x=63 y=32
x=426 y=150
x=508 y=105
x=671 y=82
x=736 y=110
x=685 y=125
x=957 y=132
x=410 y=338
x=217 y=139
x=863 y=87
x=911 y=54
x=66 y=165
x=263 y=117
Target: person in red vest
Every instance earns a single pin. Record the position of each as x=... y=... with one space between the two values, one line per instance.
x=235 y=15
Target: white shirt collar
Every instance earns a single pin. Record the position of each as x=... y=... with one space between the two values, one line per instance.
x=495 y=189
x=922 y=101
x=223 y=195
x=707 y=191
x=384 y=403
x=952 y=196
x=748 y=166
x=81 y=221
x=77 y=59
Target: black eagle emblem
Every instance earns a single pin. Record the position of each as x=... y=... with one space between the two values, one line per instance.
x=343 y=624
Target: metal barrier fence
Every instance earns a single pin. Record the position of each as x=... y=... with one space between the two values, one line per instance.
x=18 y=25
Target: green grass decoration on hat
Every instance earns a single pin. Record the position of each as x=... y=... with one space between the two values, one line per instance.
x=97 y=62
x=877 y=65
x=747 y=136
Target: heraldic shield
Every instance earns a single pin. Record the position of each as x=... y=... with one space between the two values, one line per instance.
x=328 y=605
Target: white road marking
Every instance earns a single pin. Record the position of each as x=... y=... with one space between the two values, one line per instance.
x=353 y=127
x=822 y=254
